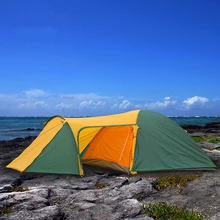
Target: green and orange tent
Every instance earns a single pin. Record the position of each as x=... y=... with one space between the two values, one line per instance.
x=130 y=142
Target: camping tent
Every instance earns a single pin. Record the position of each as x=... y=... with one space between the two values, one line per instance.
x=130 y=142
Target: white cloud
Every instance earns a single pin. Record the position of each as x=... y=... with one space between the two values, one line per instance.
x=35 y=105
x=35 y=93
x=115 y=105
x=167 y=101
x=125 y=104
x=40 y=104
x=195 y=101
x=83 y=96
x=63 y=106
x=92 y=104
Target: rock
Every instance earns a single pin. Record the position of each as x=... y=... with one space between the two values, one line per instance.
x=208 y=145
x=30 y=129
x=129 y=207
x=192 y=127
x=5 y=188
x=30 y=204
x=101 y=203
x=10 y=178
x=215 y=217
x=214 y=155
x=46 y=213
x=28 y=200
x=141 y=188
x=213 y=127
x=128 y=191
x=98 y=212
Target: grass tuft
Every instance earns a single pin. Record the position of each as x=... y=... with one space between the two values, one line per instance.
x=198 y=139
x=174 y=181
x=101 y=185
x=19 y=189
x=215 y=140
x=5 y=210
x=211 y=139
x=162 y=211
x=139 y=197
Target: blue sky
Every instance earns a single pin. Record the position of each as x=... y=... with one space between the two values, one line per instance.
x=102 y=57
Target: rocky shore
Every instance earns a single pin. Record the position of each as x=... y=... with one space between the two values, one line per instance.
x=104 y=195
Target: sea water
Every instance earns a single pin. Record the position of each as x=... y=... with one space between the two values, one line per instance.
x=14 y=127
x=20 y=127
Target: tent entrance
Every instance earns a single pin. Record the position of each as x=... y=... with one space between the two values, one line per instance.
x=111 y=147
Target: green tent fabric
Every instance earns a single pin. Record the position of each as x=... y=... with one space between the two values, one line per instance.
x=166 y=146
x=59 y=156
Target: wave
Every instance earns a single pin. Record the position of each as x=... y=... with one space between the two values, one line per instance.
x=20 y=130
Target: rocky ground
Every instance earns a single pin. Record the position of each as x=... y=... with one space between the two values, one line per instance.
x=103 y=195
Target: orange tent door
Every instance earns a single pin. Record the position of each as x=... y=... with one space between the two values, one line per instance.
x=112 y=145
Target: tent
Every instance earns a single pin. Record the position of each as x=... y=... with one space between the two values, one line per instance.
x=130 y=142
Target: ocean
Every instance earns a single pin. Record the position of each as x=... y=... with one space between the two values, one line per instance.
x=20 y=127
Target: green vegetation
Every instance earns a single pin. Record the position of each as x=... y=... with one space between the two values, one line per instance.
x=101 y=185
x=139 y=197
x=173 y=181
x=19 y=189
x=215 y=140
x=5 y=210
x=211 y=139
x=162 y=211
x=198 y=139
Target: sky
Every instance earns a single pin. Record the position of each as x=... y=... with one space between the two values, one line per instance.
x=83 y=57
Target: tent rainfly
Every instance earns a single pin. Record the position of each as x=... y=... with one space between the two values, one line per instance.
x=130 y=142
